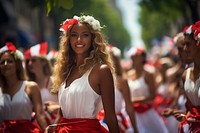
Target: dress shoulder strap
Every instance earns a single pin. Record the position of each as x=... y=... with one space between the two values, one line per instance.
x=188 y=73
x=70 y=70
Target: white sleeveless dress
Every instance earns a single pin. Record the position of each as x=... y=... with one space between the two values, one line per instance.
x=18 y=108
x=192 y=89
x=170 y=121
x=149 y=121
x=47 y=96
x=79 y=100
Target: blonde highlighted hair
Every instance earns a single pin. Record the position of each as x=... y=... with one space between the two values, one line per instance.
x=65 y=59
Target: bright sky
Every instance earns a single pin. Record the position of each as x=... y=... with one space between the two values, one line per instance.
x=129 y=10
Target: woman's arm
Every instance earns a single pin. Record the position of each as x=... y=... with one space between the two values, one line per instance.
x=124 y=88
x=35 y=97
x=106 y=85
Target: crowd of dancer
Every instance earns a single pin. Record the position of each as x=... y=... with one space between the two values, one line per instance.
x=84 y=87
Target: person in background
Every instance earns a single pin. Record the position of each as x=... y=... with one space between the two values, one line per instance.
x=167 y=93
x=39 y=69
x=83 y=78
x=191 y=80
x=18 y=97
x=185 y=62
x=51 y=56
x=122 y=93
x=142 y=87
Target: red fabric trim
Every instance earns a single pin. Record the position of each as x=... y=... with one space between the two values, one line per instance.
x=159 y=100
x=19 y=126
x=11 y=46
x=79 y=125
x=141 y=107
x=27 y=54
x=194 y=126
x=100 y=115
x=43 y=48
x=124 y=123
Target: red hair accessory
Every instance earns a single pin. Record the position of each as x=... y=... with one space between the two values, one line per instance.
x=69 y=22
x=135 y=50
x=188 y=29
x=116 y=51
x=37 y=50
x=9 y=46
x=52 y=54
x=196 y=30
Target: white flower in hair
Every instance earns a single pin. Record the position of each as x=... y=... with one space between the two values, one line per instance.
x=19 y=55
x=95 y=24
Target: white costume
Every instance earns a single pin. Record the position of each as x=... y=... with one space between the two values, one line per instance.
x=148 y=121
x=79 y=100
x=18 y=108
x=170 y=122
x=192 y=89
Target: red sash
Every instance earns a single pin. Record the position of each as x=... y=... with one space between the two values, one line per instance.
x=141 y=107
x=193 y=120
x=19 y=126
x=79 y=125
x=100 y=115
x=159 y=100
x=123 y=124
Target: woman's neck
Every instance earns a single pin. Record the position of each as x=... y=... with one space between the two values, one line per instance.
x=42 y=81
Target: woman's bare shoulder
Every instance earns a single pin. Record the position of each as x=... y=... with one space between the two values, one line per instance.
x=32 y=86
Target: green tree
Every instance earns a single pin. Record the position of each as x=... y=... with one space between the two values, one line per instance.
x=115 y=32
x=161 y=17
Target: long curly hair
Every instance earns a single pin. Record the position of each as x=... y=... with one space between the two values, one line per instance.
x=65 y=58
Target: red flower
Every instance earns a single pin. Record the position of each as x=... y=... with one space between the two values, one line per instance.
x=68 y=23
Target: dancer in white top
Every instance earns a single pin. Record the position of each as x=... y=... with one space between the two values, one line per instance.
x=122 y=95
x=142 y=88
x=18 y=97
x=83 y=78
x=191 y=79
x=39 y=70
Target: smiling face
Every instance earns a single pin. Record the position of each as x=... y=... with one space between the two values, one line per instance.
x=80 y=39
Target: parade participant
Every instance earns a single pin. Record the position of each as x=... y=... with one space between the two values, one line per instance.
x=122 y=93
x=142 y=87
x=83 y=77
x=186 y=62
x=39 y=69
x=191 y=80
x=167 y=92
x=18 y=97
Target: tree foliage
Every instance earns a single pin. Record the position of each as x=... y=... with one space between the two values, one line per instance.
x=160 y=17
x=102 y=10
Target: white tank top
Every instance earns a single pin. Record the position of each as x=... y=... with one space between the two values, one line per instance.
x=192 y=89
x=138 y=87
x=47 y=96
x=18 y=108
x=79 y=100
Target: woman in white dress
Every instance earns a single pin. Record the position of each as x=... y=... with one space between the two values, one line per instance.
x=83 y=78
x=122 y=94
x=18 y=97
x=39 y=70
x=191 y=79
x=142 y=88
